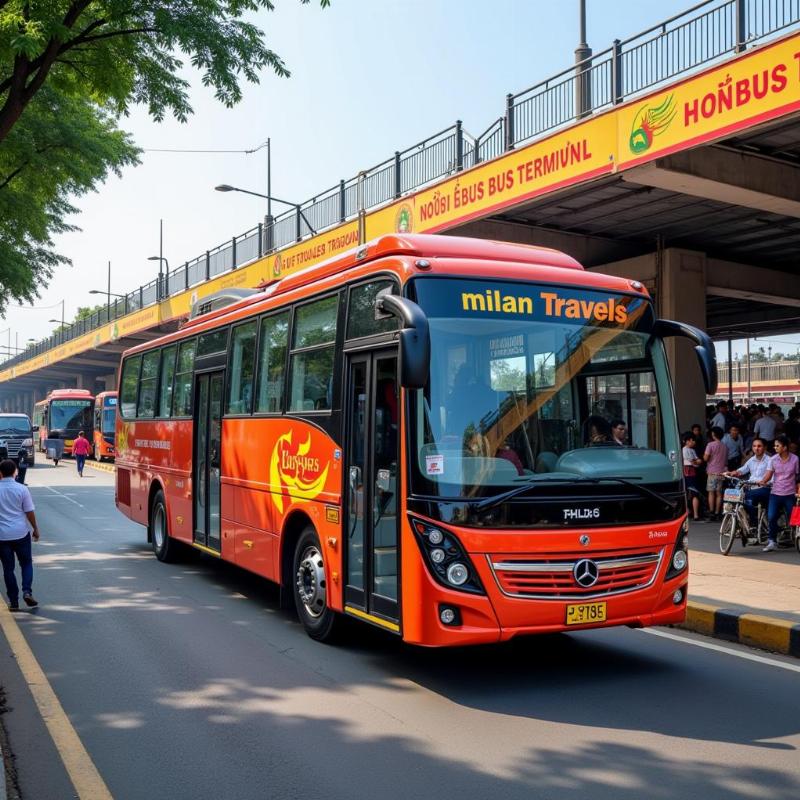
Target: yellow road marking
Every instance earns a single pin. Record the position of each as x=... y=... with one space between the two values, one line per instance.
x=82 y=771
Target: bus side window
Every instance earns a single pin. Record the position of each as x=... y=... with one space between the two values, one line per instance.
x=167 y=377
x=182 y=396
x=241 y=366
x=313 y=340
x=128 y=387
x=146 y=406
x=272 y=363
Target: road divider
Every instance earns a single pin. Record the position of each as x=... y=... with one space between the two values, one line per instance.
x=101 y=465
x=755 y=630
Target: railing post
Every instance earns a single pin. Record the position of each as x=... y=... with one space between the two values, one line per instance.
x=208 y=265
x=477 y=157
x=233 y=253
x=297 y=223
x=509 y=122
x=616 y=72
x=741 y=25
x=459 y=146
x=260 y=239
x=398 y=189
x=342 y=201
x=141 y=297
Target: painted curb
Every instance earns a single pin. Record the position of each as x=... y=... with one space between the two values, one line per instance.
x=103 y=467
x=755 y=630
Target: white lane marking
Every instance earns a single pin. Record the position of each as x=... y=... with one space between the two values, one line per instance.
x=722 y=649
x=59 y=494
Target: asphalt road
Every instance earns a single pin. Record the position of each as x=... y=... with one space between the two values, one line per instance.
x=188 y=681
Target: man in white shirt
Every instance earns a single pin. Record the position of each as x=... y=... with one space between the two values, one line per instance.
x=766 y=428
x=756 y=467
x=17 y=526
x=720 y=419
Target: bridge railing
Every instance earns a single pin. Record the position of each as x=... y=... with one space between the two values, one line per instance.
x=705 y=33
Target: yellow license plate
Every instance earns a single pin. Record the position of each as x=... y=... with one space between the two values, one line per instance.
x=586 y=613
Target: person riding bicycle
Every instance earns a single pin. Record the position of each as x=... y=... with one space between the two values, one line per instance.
x=783 y=467
x=756 y=468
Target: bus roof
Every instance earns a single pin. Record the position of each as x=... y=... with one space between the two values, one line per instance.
x=70 y=394
x=409 y=254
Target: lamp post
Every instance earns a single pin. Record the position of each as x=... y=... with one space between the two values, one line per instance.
x=162 y=283
x=224 y=187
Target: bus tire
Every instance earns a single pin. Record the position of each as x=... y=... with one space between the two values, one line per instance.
x=309 y=587
x=164 y=547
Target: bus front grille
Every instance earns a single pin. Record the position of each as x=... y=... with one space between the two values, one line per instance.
x=552 y=576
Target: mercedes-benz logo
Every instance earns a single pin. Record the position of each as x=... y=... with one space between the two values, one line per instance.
x=584 y=540
x=585 y=573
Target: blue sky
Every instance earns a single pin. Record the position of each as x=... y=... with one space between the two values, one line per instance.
x=368 y=77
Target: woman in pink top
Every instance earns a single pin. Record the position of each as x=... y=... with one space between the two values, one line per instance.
x=783 y=472
x=81 y=449
x=716 y=458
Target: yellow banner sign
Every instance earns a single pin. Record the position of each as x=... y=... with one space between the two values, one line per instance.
x=753 y=88
x=582 y=152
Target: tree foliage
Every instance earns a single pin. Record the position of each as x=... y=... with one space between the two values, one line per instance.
x=61 y=148
x=68 y=70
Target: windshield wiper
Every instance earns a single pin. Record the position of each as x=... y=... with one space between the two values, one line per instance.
x=494 y=501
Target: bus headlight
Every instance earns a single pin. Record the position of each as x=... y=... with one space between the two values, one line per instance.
x=679 y=560
x=457 y=574
x=446 y=559
x=680 y=554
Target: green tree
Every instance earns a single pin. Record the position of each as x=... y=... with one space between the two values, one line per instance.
x=61 y=148
x=68 y=70
x=123 y=52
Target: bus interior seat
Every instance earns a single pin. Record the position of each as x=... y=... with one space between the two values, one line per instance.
x=546 y=462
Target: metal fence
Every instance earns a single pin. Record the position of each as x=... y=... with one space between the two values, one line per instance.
x=707 y=32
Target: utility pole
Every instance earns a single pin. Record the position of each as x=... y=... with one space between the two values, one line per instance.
x=583 y=84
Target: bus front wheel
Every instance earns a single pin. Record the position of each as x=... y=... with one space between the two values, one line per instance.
x=310 y=589
x=165 y=548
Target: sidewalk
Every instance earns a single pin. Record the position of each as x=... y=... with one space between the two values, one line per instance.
x=747 y=596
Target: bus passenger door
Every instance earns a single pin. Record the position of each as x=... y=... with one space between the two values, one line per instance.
x=371 y=486
x=208 y=390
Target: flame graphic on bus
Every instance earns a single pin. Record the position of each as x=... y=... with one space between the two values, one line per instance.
x=297 y=472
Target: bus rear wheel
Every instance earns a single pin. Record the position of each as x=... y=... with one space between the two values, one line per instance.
x=310 y=589
x=164 y=547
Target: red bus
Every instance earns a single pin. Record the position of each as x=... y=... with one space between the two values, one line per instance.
x=62 y=415
x=105 y=425
x=418 y=434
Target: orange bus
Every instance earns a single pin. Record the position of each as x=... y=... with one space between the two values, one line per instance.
x=418 y=434
x=105 y=421
x=62 y=415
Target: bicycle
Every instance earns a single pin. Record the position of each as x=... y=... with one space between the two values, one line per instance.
x=736 y=520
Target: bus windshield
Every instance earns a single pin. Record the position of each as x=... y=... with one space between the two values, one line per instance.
x=530 y=383
x=15 y=426
x=71 y=415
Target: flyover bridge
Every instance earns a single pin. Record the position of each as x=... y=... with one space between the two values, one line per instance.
x=672 y=158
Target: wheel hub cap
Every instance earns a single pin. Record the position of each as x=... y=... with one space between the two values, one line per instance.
x=310 y=581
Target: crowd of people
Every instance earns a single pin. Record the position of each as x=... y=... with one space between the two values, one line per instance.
x=756 y=442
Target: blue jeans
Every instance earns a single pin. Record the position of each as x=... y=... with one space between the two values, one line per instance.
x=81 y=460
x=776 y=503
x=21 y=548
x=755 y=498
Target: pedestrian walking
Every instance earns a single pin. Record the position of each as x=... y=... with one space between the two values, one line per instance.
x=716 y=458
x=80 y=449
x=17 y=527
x=783 y=472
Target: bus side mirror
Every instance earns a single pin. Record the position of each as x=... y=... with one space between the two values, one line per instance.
x=415 y=338
x=704 y=347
